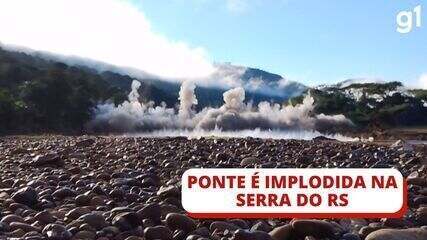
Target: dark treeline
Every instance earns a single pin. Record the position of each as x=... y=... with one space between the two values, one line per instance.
x=396 y=108
x=37 y=95
x=42 y=96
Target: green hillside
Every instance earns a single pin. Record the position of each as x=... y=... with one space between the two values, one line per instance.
x=377 y=105
x=37 y=95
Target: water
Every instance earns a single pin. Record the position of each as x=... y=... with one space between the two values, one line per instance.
x=291 y=134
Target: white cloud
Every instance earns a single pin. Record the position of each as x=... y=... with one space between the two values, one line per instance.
x=422 y=81
x=236 y=5
x=112 y=31
x=240 y=6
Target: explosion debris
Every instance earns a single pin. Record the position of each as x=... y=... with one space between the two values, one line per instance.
x=233 y=115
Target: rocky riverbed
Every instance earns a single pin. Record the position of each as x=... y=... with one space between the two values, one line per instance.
x=55 y=187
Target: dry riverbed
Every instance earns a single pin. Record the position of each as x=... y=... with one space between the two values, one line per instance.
x=55 y=187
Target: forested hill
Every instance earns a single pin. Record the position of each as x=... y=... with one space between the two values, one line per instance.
x=38 y=95
x=372 y=105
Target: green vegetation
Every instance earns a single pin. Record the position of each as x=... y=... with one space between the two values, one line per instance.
x=394 y=108
x=45 y=96
x=375 y=88
x=39 y=96
x=419 y=93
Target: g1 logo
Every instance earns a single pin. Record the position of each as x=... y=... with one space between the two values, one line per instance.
x=405 y=20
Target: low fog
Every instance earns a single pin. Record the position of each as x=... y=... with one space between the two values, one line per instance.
x=134 y=116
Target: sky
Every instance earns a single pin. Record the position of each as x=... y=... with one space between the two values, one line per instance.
x=311 y=41
x=314 y=42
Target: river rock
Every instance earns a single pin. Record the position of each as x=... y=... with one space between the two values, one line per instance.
x=47 y=159
x=63 y=192
x=419 y=181
x=421 y=215
x=111 y=178
x=45 y=217
x=77 y=212
x=23 y=226
x=127 y=221
x=249 y=235
x=180 y=221
x=398 y=234
x=315 y=228
x=56 y=232
x=282 y=232
x=168 y=191
x=85 y=142
x=350 y=236
x=221 y=226
x=249 y=161
x=82 y=200
x=11 y=218
x=95 y=220
x=261 y=226
x=151 y=211
x=85 y=235
x=158 y=232
x=27 y=196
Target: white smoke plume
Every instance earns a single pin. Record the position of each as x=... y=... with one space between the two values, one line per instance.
x=422 y=81
x=233 y=115
x=134 y=95
x=187 y=99
x=255 y=133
